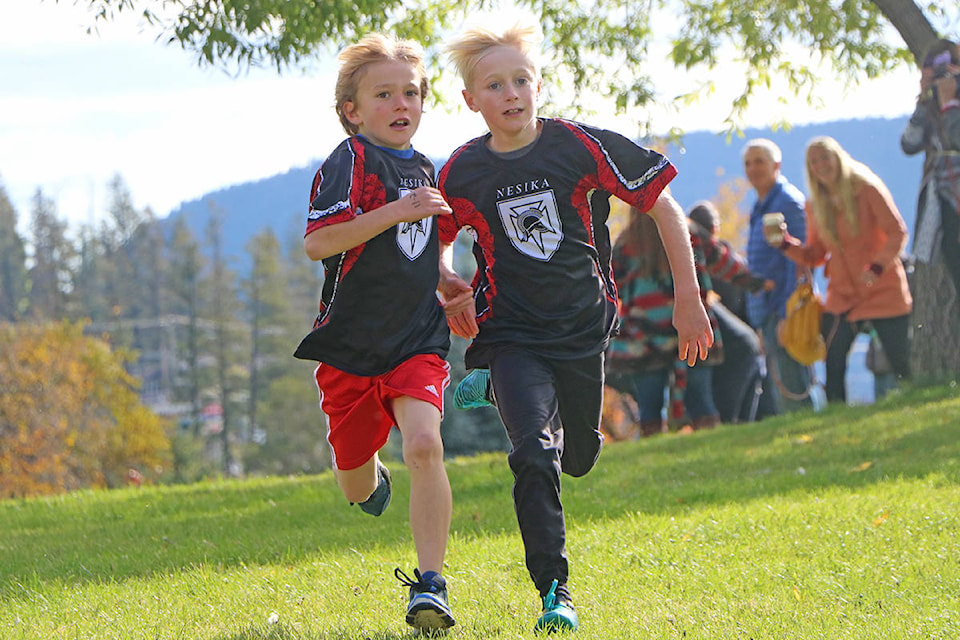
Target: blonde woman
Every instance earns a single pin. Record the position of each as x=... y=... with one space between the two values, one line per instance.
x=856 y=231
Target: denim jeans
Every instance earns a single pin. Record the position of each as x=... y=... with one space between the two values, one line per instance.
x=793 y=376
x=649 y=390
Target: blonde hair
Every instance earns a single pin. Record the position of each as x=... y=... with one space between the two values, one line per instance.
x=466 y=50
x=853 y=176
x=370 y=49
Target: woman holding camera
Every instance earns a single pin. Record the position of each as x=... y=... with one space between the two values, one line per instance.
x=856 y=231
x=934 y=128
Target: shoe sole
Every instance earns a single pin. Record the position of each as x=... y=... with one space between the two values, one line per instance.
x=430 y=620
x=429 y=615
x=554 y=622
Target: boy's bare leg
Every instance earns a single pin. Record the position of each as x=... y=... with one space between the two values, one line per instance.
x=357 y=484
x=431 y=502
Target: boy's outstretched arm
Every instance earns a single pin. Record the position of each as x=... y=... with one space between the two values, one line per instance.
x=689 y=316
x=422 y=202
x=456 y=296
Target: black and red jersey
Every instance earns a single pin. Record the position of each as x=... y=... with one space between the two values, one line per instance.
x=379 y=305
x=542 y=246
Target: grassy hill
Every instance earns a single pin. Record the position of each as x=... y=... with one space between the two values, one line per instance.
x=842 y=524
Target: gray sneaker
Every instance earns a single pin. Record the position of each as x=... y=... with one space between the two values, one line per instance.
x=428 y=609
x=380 y=498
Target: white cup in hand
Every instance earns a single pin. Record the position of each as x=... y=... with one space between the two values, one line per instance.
x=773 y=228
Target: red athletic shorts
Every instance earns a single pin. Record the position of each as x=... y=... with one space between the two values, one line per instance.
x=360 y=408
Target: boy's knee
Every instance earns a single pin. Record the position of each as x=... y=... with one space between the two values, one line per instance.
x=531 y=454
x=423 y=447
x=579 y=465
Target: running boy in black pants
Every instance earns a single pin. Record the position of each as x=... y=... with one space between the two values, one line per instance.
x=534 y=192
x=381 y=336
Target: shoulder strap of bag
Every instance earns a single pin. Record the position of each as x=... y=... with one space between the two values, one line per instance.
x=804 y=274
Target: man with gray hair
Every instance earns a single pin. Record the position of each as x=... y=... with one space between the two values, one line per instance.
x=788 y=381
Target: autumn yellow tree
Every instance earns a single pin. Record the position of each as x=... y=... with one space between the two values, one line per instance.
x=70 y=416
x=734 y=223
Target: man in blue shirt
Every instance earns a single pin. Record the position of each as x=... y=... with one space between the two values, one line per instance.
x=787 y=380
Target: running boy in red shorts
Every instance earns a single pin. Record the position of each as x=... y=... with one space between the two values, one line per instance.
x=381 y=335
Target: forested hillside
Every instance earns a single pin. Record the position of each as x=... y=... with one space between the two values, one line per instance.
x=706 y=162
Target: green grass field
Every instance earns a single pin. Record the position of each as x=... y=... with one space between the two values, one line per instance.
x=842 y=524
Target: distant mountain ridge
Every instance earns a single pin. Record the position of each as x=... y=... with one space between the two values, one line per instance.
x=705 y=162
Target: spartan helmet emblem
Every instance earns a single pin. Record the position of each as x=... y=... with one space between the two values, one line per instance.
x=532 y=224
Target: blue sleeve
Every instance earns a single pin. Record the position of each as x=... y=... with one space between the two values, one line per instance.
x=786 y=282
x=795 y=218
x=793 y=214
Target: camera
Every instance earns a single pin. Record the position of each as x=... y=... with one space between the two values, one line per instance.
x=940 y=64
x=940 y=71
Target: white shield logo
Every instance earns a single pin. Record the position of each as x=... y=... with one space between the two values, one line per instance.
x=413 y=237
x=532 y=224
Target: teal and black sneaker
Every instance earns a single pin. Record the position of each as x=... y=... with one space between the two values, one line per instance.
x=428 y=610
x=558 y=612
x=380 y=498
x=474 y=390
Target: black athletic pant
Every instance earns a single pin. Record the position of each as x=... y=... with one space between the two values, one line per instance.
x=737 y=378
x=551 y=412
x=840 y=334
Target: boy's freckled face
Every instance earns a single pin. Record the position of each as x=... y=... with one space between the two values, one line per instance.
x=388 y=104
x=504 y=90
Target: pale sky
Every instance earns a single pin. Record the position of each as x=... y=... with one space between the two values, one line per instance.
x=75 y=109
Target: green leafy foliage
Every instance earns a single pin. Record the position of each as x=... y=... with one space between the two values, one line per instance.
x=596 y=49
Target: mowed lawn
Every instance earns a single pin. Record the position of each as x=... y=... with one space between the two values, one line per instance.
x=841 y=524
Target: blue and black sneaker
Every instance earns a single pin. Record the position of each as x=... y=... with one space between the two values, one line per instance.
x=558 y=612
x=380 y=498
x=474 y=390
x=428 y=609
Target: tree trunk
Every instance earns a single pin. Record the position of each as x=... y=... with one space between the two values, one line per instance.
x=935 y=348
x=912 y=24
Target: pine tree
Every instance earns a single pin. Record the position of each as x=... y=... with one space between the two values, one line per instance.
x=50 y=277
x=13 y=262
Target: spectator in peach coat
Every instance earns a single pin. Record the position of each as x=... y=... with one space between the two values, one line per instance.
x=856 y=231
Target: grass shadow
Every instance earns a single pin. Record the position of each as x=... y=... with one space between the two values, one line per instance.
x=283 y=632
